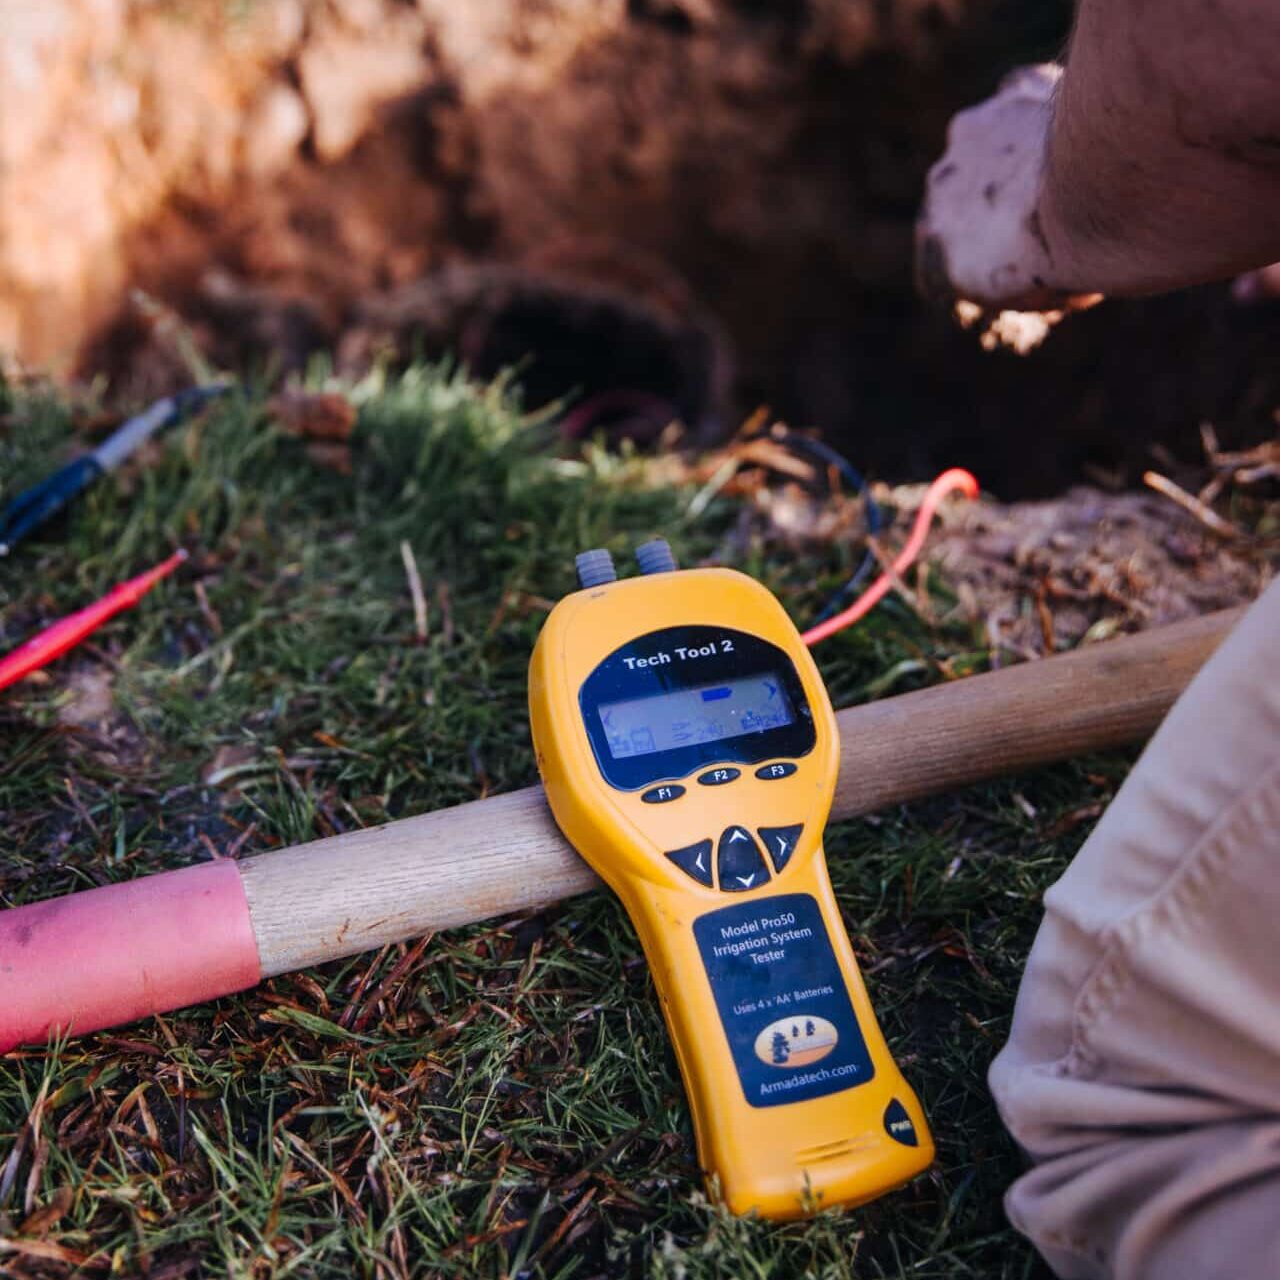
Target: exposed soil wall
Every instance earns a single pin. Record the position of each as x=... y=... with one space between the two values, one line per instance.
x=706 y=200
x=329 y=149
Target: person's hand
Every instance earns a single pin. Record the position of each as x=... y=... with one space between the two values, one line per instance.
x=980 y=240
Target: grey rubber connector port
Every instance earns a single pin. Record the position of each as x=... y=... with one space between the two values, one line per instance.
x=656 y=557
x=595 y=568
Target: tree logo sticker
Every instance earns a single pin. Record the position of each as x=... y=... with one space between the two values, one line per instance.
x=796 y=1041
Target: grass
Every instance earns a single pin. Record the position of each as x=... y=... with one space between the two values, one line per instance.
x=508 y=1106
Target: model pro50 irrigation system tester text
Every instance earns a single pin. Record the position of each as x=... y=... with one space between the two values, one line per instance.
x=689 y=752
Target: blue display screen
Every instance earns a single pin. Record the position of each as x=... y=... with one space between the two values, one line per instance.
x=688 y=717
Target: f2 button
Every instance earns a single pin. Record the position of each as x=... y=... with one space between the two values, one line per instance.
x=718 y=777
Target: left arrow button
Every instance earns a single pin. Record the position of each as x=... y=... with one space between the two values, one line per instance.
x=694 y=860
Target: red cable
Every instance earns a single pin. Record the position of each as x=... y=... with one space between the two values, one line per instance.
x=956 y=478
x=68 y=632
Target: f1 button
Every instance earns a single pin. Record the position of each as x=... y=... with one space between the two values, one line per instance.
x=661 y=795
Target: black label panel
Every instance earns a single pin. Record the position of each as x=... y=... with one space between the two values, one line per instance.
x=782 y=1000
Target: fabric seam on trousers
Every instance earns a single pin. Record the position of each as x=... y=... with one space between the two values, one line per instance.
x=1186 y=889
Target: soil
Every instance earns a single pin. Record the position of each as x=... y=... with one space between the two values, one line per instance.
x=1031 y=577
x=1045 y=576
x=693 y=205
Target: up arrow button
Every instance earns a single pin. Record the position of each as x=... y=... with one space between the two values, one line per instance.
x=739 y=862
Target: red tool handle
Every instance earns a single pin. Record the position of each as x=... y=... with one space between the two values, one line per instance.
x=108 y=956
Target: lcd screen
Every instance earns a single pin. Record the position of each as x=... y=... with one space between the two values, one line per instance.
x=686 y=717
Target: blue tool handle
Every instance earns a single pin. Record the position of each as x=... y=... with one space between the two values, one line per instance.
x=32 y=507
x=35 y=505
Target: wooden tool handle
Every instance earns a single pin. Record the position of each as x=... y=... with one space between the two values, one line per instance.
x=1105 y=695
x=352 y=892
x=97 y=958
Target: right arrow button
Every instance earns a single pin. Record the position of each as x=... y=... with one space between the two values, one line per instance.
x=781 y=843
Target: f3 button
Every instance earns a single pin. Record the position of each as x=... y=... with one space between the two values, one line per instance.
x=779 y=769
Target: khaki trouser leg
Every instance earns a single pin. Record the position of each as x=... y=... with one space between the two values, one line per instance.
x=1142 y=1073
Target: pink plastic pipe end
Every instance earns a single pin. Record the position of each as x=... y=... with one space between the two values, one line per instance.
x=113 y=955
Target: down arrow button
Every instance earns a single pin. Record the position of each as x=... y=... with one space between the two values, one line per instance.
x=739 y=862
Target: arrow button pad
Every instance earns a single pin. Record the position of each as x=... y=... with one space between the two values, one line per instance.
x=739 y=862
x=781 y=843
x=694 y=860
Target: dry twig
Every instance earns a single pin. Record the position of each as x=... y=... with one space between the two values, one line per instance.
x=1207 y=516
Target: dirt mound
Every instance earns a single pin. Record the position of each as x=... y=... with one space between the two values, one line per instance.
x=1043 y=576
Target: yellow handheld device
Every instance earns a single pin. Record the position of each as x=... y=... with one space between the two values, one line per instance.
x=689 y=753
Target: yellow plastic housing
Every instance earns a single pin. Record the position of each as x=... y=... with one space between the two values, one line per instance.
x=781 y=1161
